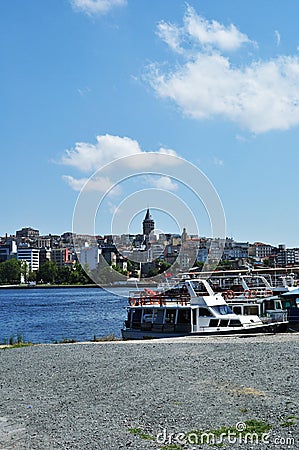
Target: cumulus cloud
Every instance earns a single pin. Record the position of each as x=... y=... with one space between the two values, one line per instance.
x=213 y=33
x=96 y=6
x=98 y=184
x=88 y=158
x=259 y=96
x=171 y=35
x=165 y=183
x=201 y=32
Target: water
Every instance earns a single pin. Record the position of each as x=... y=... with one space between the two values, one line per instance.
x=49 y=315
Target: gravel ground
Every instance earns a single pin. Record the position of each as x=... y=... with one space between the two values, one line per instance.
x=120 y=395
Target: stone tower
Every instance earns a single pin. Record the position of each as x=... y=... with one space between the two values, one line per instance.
x=148 y=224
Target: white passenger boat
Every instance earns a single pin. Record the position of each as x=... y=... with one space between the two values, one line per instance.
x=189 y=308
x=251 y=294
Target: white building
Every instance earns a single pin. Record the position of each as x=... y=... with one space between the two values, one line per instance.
x=30 y=255
x=235 y=250
x=89 y=257
x=286 y=256
x=260 y=251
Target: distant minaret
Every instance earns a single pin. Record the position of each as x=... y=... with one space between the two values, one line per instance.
x=148 y=224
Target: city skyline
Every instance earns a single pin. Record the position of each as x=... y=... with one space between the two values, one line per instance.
x=84 y=83
x=155 y=231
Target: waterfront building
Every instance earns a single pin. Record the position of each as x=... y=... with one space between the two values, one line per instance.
x=184 y=260
x=89 y=257
x=8 y=250
x=260 y=250
x=43 y=242
x=27 y=232
x=235 y=250
x=30 y=255
x=44 y=255
x=287 y=256
x=60 y=256
x=67 y=237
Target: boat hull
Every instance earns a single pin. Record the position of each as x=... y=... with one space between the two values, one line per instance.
x=277 y=327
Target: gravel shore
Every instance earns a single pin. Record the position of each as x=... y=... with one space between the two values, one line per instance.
x=118 y=395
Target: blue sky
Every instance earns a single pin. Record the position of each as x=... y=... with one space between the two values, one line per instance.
x=83 y=82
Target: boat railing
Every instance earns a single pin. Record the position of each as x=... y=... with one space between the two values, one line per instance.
x=159 y=300
x=251 y=293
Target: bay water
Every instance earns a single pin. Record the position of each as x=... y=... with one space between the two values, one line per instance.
x=53 y=314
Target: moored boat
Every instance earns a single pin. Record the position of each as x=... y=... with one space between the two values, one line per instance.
x=188 y=308
x=251 y=294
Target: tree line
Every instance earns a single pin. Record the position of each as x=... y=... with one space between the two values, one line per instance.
x=13 y=271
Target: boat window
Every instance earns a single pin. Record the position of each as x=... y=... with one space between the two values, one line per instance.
x=286 y=304
x=254 y=282
x=234 y=323
x=269 y=304
x=223 y=323
x=251 y=310
x=147 y=315
x=213 y=322
x=204 y=312
x=222 y=309
x=170 y=316
x=199 y=288
x=136 y=314
x=184 y=316
x=158 y=315
x=194 y=318
x=136 y=317
x=237 y=309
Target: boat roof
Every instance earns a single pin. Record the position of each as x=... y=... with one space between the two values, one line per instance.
x=293 y=292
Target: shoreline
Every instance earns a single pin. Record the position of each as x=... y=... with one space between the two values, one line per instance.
x=51 y=286
x=66 y=286
x=260 y=337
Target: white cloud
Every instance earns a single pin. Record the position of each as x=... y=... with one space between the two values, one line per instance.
x=164 y=182
x=277 y=36
x=213 y=33
x=96 y=6
x=260 y=96
x=98 y=184
x=171 y=35
x=88 y=158
x=200 y=32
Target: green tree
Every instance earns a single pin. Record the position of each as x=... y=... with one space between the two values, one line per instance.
x=10 y=272
x=48 y=272
x=64 y=275
x=162 y=266
x=79 y=276
x=25 y=269
x=32 y=276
